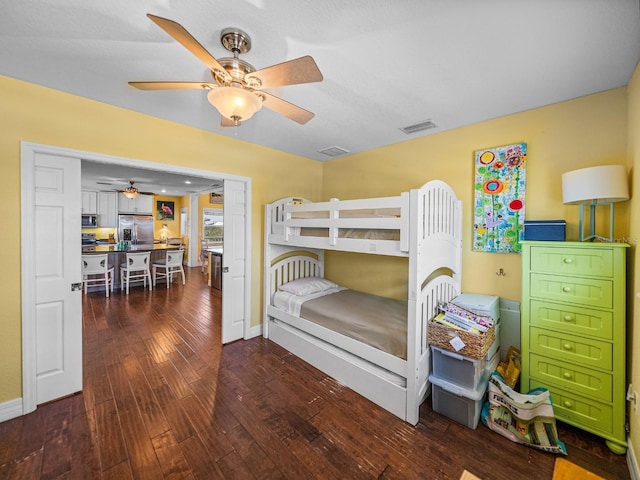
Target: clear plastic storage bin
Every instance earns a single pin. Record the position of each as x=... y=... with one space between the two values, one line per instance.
x=460 y=404
x=465 y=372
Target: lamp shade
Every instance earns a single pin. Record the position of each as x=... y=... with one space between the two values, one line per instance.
x=234 y=103
x=604 y=184
x=130 y=192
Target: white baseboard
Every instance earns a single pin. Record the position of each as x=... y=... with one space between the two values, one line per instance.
x=632 y=462
x=10 y=409
x=254 y=332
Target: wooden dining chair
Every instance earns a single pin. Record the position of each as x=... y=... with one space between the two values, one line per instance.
x=204 y=256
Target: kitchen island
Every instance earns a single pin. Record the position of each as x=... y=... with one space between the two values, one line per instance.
x=215 y=266
x=118 y=254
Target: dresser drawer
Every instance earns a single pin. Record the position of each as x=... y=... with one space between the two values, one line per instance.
x=570 y=319
x=574 y=261
x=562 y=346
x=577 y=290
x=583 y=381
x=578 y=410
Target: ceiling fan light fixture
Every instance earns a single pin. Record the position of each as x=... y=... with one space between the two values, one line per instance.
x=234 y=103
x=130 y=192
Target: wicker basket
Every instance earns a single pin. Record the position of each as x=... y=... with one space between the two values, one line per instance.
x=475 y=345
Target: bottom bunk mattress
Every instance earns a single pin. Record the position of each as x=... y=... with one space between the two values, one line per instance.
x=376 y=321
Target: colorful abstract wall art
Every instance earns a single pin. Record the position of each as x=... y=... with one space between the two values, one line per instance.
x=498 y=211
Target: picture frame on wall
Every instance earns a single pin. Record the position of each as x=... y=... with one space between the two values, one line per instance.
x=216 y=198
x=165 y=210
x=499 y=201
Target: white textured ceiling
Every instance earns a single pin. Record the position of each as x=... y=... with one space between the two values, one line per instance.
x=103 y=176
x=386 y=64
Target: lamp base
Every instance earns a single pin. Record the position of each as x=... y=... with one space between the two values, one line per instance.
x=591 y=237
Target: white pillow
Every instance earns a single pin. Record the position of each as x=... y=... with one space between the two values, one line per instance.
x=307 y=286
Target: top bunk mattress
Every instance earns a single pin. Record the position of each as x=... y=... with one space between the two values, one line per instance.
x=359 y=233
x=376 y=321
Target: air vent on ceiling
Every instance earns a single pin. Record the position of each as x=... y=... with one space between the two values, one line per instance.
x=333 y=151
x=104 y=183
x=418 y=127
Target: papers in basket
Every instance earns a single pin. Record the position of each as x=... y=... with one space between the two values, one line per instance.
x=460 y=318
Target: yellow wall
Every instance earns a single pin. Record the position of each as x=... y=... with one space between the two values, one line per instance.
x=579 y=133
x=633 y=333
x=41 y=115
x=173 y=226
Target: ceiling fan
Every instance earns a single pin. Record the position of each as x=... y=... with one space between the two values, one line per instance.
x=133 y=192
x=237 y=90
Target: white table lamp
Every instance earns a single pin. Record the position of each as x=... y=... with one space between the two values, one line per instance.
x=595 y=186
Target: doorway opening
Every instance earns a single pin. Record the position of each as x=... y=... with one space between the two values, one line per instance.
x=236 y=313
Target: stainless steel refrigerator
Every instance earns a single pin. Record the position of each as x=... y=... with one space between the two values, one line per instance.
x=137 y=229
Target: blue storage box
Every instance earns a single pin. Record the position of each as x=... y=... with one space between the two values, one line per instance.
x=553 y=230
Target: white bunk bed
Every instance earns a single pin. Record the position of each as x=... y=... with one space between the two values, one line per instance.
x=423 y=225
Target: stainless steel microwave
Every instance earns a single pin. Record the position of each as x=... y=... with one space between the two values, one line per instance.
x=89 y=221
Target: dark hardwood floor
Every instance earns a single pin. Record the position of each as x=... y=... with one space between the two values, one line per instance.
x=163 y=399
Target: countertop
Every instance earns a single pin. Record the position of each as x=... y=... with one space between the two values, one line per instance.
x=113 y=247
x=214 y=250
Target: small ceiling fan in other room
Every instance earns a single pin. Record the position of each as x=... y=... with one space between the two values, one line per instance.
x=237 y=90
x=133 y=192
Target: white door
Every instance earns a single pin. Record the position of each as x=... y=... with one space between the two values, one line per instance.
x=56 y=312
x=234 y=261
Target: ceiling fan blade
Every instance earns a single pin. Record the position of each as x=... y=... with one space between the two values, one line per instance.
x=172 y=85
x=289 y=110
x=147 y=193
x=179 y=33
x=293 y=72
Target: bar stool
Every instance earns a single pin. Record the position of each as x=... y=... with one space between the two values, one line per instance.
x=97 y=266
x=136 y=267
x=204 y=256
x=172 y=264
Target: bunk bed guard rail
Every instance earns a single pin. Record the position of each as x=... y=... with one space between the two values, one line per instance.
x=383 y=220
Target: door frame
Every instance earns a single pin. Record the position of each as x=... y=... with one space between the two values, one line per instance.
x=28 y=150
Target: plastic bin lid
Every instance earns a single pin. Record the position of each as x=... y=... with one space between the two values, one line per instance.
x=474 y=395
x=457 y=356
x=475 y=300
x=545 y=222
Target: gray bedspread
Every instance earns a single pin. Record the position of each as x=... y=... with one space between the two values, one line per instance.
x=376 y=321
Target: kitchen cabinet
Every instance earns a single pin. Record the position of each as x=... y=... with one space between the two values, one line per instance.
x=142 y=204
x=573 y=330
x=107 y=209
x=89 y=202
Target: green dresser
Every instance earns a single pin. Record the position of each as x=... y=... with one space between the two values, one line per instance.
x=573 y=332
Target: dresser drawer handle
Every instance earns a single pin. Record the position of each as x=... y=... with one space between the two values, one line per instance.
x=568 y=318
x=567 y=375
x=568 y=260
x=566 y=289
x=568 y=404
x=567 y=346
